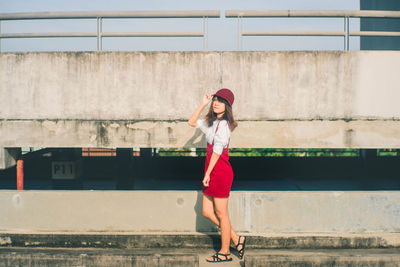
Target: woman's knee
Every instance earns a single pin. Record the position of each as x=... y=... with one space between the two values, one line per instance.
x=221 y=214
x=207 y=212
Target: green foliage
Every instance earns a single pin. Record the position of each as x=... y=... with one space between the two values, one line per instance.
x=389 y=152
x=277 y=152
x=293 y=152
x=265 y=152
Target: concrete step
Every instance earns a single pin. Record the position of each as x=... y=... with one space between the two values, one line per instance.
x=322 y=258
x=196 y=240
x=63 y=257
x=86 y=257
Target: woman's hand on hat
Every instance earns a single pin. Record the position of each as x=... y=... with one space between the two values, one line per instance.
x=207 y=98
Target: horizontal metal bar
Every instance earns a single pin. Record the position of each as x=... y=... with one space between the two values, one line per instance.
x=112 y=14
x=311 y=13
x=374 y=33
x=46 y=35
x=316 y=33
x=103 y=34
x=152 y=34
x=291 y=33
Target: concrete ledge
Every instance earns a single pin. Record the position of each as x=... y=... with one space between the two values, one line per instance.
x=309 y=133
x=185 y=240
x=251 y=212
x=320 y=258
x=196 y=257
x=60 y=258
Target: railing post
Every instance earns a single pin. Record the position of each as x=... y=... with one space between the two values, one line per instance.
x=346 y=33
x=205 y=33
x=99 y=31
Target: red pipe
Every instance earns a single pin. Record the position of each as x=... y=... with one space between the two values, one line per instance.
x=20 y=174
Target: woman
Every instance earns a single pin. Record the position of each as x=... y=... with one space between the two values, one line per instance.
x=218 y=174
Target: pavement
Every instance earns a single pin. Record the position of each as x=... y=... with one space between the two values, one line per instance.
x=191 y=249
x=12 y=256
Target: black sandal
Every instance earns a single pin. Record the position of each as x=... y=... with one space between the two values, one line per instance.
x=218 y=259
x=241 y=251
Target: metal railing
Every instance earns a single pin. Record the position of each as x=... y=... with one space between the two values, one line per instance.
x=205 y=14
x=346 y=14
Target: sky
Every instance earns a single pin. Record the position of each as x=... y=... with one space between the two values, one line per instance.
x=222 y=32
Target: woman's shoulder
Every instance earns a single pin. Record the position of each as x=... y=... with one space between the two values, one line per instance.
x=201 y=123
x=225 y=123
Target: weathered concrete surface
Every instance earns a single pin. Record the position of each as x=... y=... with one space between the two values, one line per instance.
x=254 y=212
x=143 y=99
x=290 y=134
x=196 y=257
x=99 y=257
x=324 y=258
x=171 y=240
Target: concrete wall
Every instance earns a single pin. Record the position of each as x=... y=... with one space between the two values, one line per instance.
x=180 y=211
x=143 y=99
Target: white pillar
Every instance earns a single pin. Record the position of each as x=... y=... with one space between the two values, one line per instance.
x=9 y=157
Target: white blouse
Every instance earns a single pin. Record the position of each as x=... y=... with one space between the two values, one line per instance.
x=221 y=137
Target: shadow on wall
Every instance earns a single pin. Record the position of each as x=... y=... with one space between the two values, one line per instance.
x=204 y=225
x=192 y=141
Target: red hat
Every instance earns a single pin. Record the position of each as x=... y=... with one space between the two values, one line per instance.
x=226 y=94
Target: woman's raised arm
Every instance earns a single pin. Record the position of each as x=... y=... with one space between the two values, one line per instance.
x=195 y=116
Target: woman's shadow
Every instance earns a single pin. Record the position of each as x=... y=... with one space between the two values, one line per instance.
x=203 y=225
x=193 y=142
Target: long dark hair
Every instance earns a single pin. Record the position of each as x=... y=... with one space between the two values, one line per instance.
x=228 y=114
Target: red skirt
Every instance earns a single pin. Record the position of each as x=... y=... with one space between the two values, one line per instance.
x=221 y=176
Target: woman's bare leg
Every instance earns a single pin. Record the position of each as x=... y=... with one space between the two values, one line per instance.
x=208 y=212
x=221 y=209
